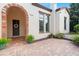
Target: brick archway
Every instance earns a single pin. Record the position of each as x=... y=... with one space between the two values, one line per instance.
x=4 y=18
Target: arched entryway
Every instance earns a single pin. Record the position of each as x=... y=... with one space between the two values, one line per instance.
x=14 y=21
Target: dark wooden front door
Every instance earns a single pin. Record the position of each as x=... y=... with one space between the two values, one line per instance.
x=16 y=31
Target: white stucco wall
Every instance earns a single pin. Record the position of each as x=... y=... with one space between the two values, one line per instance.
x=33 y=13
x=53 y=18
x=57 y=24
x=63 y=13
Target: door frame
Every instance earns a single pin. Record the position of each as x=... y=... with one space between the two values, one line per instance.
x=17 y=29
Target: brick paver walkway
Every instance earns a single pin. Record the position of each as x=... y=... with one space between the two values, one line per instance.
x=49 y=47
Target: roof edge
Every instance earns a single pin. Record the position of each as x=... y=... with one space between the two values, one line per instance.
x=62 y=8
x=41 y=6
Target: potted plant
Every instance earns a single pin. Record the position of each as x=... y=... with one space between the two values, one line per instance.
x=4 y=42
x=30 y=38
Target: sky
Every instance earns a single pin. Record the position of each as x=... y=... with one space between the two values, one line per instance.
x=63 y=5
x=59 y=5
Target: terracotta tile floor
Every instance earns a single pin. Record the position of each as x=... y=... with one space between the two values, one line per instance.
x=49 y=47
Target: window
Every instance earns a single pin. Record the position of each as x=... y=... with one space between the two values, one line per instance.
x=43 y=22
x=65 y=22
x=47 y=23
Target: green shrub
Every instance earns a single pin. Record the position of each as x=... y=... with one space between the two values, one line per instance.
x=76 y=28
x=59 y=35
x=76 y=40
x=30 y=38
x=4 y=42
x=50 y=35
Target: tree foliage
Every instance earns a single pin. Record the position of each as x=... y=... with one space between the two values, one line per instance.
x=74 y=11
x=74 y=15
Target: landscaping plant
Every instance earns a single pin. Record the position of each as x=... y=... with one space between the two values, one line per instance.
x=76 y=28
x=30 y=38
x=50 y=36
x=76 y=40
x=4 y=42
x=59 y=35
